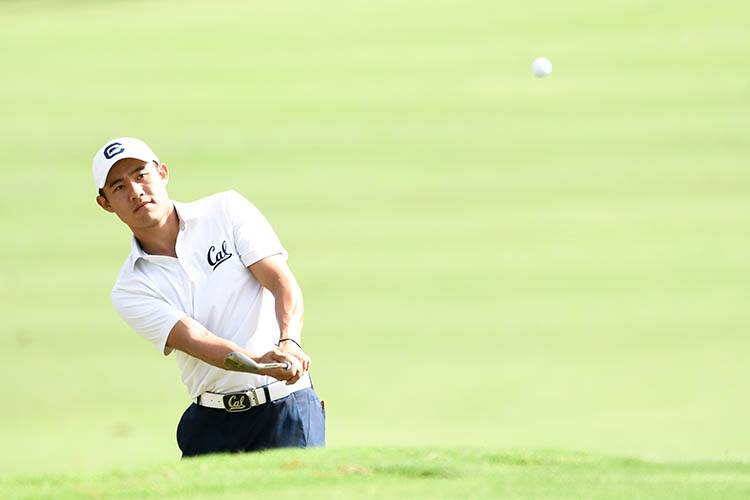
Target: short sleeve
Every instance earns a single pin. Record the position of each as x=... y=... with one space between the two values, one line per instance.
x=254 y=238
x=148 y=315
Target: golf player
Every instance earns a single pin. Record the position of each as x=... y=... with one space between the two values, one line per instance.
x=207 y=279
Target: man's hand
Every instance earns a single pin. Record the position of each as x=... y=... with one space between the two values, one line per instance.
x=290 y=375
x=292 y=349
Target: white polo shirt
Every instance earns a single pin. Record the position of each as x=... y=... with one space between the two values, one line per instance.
x=209 y=281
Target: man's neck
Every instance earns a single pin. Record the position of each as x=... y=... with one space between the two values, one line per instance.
x=162 y=238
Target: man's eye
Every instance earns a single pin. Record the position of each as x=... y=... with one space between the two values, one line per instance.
x=141 y=176
x=117 y=188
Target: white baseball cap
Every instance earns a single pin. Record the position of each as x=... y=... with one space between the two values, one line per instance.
x=114 y=151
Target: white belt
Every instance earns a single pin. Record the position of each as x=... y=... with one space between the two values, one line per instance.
x=243 y=401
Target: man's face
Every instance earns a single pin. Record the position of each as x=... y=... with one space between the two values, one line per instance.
x=136 y=191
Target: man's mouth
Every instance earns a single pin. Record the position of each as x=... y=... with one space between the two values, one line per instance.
x=140 y=206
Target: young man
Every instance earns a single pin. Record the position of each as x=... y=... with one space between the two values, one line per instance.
x=206 y=279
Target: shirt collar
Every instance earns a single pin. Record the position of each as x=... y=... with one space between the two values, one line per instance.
x=185 y=211
x=136 y=252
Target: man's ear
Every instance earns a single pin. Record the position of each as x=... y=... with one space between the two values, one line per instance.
x=163 y=172
x=102 y=201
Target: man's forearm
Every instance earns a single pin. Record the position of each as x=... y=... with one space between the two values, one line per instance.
x=193 y=338
x=289 y=310
x=274 y=274
x=289 y=313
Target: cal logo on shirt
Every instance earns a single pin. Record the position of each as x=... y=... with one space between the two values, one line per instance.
x=216 y=257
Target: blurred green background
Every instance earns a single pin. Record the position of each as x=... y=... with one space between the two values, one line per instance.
x=488 y=258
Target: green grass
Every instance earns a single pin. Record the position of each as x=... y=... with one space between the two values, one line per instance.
x=488 y=259
x=440 y=472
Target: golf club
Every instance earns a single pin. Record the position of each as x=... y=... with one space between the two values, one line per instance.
x=239 y=362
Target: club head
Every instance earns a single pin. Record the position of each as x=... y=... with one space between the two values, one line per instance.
x=239 y=362
x=236 y=361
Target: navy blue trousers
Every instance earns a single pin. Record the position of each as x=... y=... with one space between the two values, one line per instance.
x=297 y=420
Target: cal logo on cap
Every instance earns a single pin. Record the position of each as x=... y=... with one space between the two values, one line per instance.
x=112 y=150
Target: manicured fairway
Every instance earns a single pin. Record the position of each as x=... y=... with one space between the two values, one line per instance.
x=489 y=260
x=427 y=473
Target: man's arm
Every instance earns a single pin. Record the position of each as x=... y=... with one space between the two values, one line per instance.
x=190 y=337
x=274 y=274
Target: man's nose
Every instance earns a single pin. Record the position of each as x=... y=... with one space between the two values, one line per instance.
x=136 y=190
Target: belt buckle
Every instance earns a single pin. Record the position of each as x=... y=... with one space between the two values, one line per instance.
x=240 y=401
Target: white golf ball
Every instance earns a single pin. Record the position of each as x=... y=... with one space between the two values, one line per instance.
x=541 y=67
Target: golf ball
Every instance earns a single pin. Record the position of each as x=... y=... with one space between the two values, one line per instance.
x=541 y=67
